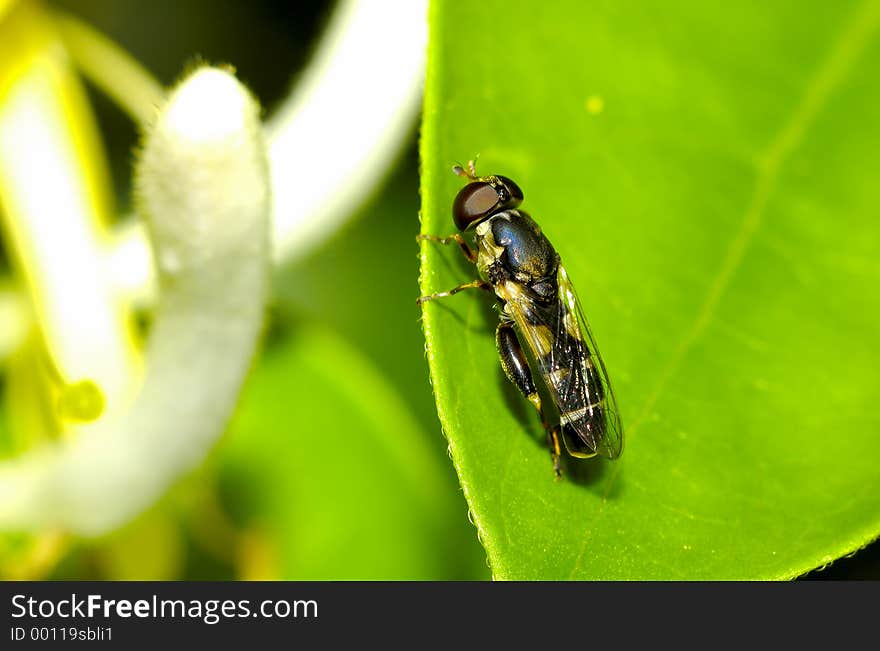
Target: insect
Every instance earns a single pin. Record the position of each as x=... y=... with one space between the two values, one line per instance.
x=542 y=331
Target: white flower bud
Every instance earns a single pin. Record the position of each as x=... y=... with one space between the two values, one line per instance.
x=203 y=185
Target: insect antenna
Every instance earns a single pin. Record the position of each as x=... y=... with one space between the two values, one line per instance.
x=470 y=173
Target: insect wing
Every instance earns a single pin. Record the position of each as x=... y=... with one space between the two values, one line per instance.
x=560 y=341
x=610 y=444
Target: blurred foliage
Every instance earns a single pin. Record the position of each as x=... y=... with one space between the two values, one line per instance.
x=334 y=473
x=707 y=174
x=367 y=473
x=364 y=283
x=334 y=466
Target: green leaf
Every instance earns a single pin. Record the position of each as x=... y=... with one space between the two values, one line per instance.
x=708 y=175
x=330 y=469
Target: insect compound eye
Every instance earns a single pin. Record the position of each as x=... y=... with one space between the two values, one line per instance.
x=512 y=196
x=474 y=203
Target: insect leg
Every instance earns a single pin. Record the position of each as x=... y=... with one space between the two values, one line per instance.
x=555 y=448
x=516 y=368
x=469 y=253
x=474 y=284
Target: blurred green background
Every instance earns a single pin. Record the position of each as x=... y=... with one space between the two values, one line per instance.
x=335 y=466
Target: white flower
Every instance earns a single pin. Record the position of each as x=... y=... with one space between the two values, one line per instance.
x=217 y=190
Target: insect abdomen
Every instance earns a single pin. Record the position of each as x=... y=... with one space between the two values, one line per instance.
x=581 y=404
x=592 y=422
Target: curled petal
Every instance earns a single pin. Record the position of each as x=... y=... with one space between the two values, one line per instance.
x=55 y=206
x=337 y=134
x=330 y=142
x=203 y=186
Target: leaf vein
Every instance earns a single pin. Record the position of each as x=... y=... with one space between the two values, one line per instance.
x=843 y=54
x=837 y=65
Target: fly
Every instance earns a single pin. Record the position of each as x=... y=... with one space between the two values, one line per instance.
x=540 y=314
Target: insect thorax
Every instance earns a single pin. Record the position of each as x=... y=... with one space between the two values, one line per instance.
x=512 y=247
